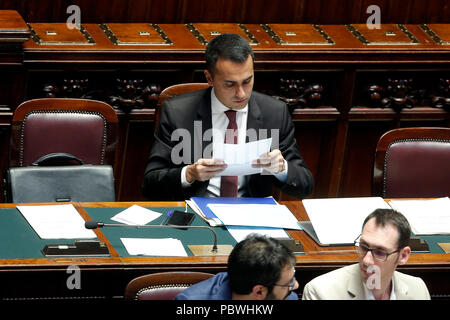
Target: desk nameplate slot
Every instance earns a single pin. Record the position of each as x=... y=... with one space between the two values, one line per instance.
x=204 y=32
x=439 y=33
x=135 y=34
x=388 y=34
x=297 y=34
x=57 y=34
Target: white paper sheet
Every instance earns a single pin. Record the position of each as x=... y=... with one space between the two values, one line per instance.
x=239 y=157
x=425 y=216
x=257 y=215
x=56 y=222
x=339 y=220
x=239 y=233
x=136 y=215
x=167 y=247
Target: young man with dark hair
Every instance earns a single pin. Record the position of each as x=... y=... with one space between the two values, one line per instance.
x=381 y=247
x=228 y=104
x=259 y=268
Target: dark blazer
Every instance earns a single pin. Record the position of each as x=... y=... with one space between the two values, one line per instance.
x=192 y=112
x=215 y=288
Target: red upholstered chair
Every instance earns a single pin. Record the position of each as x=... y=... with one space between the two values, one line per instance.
x=84 y=128
x=162 y=286
x=174 y=91
x=413 y=163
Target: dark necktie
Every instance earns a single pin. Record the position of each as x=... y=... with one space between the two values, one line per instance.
x=229 y=184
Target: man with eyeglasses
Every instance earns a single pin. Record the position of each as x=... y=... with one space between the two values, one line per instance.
x=259 y=268
x=381 y=247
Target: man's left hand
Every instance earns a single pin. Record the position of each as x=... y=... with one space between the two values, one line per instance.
x=272 y=162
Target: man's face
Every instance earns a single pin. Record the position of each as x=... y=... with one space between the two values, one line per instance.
x=281 y=290
x=384 y=238
x=232 y=82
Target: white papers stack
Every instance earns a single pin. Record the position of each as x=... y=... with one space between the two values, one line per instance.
x=239 y=233
x=136 y=215
x=425 y=216
x=257 y=215
x=239 y=157
x=339 y=220
x=56 y=222
x=167 y=247
x=213 y=222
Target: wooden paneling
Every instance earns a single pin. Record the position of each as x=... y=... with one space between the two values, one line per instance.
x=138 y=138
x=359 y=153
x=238 y=11
x=343 y=94
x=316 y=141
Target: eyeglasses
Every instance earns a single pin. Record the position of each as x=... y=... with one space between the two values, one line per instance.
x=378 y=254
x=291 y=284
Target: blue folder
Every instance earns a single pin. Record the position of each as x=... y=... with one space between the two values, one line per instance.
x=202 y=203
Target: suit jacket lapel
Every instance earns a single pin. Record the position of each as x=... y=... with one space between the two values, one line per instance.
x=400 y=288
x=205 y=119
x=254 y=117
x=355 y=287
x=356 y=291
x=254 y=122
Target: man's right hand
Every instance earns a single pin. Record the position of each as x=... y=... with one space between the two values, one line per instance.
x=204 y=169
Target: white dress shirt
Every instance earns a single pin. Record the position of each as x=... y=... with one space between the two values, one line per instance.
x=369 y=294
x=219 y=126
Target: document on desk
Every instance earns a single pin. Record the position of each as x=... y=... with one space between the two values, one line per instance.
x=239 y=233
x=167 y=247
x=256 y=215
x=239 y=157
x=56 y=222
x=339 y=220
x=136 y=215
x=425 y=216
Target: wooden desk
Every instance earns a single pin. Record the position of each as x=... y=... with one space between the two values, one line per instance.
x=107 y=277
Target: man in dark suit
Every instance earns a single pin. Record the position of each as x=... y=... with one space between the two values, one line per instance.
x=181 y=164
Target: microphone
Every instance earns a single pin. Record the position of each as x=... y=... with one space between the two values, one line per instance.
x=94 y=225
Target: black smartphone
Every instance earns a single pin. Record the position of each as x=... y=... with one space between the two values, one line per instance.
x=179 y=218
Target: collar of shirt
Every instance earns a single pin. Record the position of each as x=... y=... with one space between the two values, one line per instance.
x=220 y=120
x=369 y=294
x=219 y=107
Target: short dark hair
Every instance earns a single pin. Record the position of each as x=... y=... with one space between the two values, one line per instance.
x=395 y=218
x=228 y=46
x=257 y=260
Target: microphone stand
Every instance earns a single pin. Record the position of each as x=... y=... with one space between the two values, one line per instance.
x=89 y=225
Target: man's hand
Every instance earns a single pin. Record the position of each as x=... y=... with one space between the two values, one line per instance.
x=204 y=169
x=272 y=162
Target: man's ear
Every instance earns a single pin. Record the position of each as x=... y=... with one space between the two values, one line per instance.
x=209 y=77
x=259 y=292
x=404 y=255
